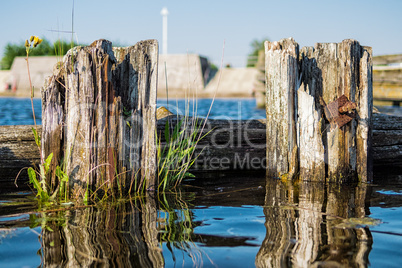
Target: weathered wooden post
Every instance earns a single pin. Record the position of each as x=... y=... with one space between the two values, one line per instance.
x=281 y=75
x=327 y=100
x=98 y=116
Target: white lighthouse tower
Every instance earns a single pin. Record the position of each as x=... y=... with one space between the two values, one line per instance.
x=164 y=14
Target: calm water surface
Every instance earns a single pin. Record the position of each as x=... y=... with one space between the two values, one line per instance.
x=218 y=220
x=18 y=111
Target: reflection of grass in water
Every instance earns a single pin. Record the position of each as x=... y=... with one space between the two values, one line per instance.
x=353 y=223
x=176 y=228
x=174 y=222
x=46 y=219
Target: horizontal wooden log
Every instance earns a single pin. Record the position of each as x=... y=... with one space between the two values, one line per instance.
x=387 y=75
x=387 y=141
x=387 y=84
x=17 y=148
x=386 y=122
x=231 y=145
x=387 y=59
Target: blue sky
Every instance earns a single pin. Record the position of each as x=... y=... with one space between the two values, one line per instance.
x=204 y=27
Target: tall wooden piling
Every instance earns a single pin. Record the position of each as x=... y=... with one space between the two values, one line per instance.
x=329 y=102
x=98 y=116
x=281 y=74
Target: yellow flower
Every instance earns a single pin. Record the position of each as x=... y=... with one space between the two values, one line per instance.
x=27 y=45
x=37 y=41
x=31 y=38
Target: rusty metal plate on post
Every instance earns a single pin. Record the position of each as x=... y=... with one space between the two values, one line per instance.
x=340 y=111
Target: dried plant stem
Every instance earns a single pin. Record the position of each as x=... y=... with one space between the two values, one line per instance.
x=32 y=104
x=32 y=92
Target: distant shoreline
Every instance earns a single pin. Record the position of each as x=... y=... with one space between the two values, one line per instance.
x=19 y=96
x=172 y=95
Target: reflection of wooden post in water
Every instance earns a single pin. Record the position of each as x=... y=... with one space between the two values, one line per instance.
x=340 y=240
x=319 y=106
x=300 y=223
x=116 y=236
x=98 y=115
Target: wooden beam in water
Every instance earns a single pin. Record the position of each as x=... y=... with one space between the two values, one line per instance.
x=387 y=84
x=387 y=59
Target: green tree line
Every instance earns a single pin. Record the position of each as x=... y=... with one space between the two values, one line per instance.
x=46 y=48
x=61 y=47
x=256 y=46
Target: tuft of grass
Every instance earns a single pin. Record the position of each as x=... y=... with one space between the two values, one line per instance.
x=178 y=155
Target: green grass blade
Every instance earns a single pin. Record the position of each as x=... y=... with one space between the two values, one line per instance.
x=47 y=162
x=167 y=134
x=37 y=139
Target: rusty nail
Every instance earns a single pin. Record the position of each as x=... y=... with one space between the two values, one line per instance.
x=347 y=107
